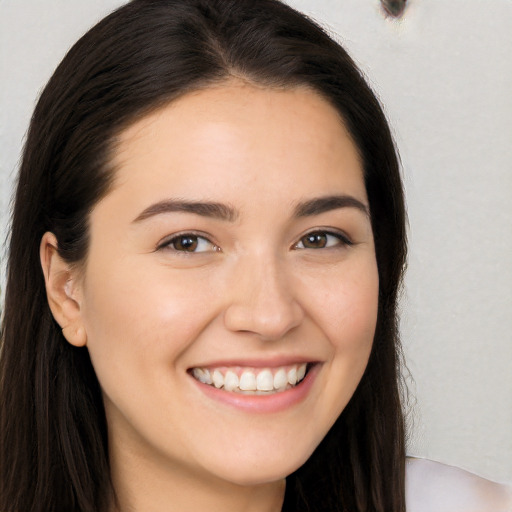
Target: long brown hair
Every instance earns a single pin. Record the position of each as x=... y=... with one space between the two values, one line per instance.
x=53 y=432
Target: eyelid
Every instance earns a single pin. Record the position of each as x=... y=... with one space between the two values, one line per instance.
x=344 y=239
x=166 y=242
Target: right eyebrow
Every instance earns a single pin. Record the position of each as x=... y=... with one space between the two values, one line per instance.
x=320 y=205
x=203 y=208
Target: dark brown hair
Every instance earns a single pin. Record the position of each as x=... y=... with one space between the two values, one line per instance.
x=53 y=440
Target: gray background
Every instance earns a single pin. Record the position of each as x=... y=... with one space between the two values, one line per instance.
x=444 y=74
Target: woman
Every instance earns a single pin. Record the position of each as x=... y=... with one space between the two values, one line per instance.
x=213 y=196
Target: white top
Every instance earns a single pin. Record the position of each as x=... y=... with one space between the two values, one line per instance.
x=435 y=487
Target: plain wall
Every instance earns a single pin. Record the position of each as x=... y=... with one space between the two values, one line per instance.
x=444 y=75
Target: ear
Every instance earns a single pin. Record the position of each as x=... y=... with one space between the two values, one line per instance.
x=63 y=291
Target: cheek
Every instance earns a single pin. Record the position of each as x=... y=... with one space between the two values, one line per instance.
x=352 y=328
x=347 y=312
x=138 y=320
x=139 y=297
x=346 y=305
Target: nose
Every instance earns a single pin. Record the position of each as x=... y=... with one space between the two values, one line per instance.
x=262 y=301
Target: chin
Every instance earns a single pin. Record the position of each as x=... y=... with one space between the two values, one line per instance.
x=258 y=468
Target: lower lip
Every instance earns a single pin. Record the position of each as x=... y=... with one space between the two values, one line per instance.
x=270 y=403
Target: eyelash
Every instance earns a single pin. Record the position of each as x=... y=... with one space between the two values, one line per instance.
x=342 y=239
x=170 y=243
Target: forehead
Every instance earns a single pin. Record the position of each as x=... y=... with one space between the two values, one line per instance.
x=236 y=138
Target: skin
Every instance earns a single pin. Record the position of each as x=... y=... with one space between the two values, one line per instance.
x=148 y=312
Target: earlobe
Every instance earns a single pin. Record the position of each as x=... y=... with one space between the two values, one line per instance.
x=75 y=335
x=62 y=291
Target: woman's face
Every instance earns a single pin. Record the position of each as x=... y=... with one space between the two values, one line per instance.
x=235 y=248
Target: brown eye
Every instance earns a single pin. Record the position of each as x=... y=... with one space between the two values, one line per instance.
x=314 y=241
x=322 y=240
x=186 y=243
x=189 y=243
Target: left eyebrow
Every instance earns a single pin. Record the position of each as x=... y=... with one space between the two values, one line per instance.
x=203 y=208
x=324 y=204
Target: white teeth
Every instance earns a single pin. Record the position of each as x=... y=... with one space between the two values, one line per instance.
x=208 y=377
x=230 y=381
x=301 y=372
x=203 y=376
x=280 y=379
x=265 y=381
x=292 y=376
x=248 y=381
x=218 y=379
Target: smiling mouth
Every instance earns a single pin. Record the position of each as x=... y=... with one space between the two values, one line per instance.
x=252 y=381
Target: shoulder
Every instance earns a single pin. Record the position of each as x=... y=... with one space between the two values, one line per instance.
x=435 y=487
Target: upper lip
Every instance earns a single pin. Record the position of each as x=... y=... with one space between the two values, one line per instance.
x=273 y=362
